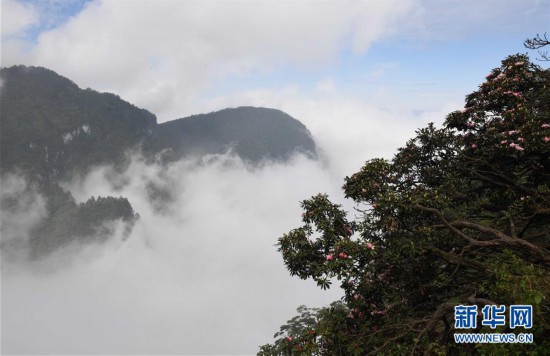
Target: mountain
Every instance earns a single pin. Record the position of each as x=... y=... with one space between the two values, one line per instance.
x=252 y=133
x=69 y=222
x=50 y=130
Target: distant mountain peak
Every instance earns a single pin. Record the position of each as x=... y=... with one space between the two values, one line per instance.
x=254 y=133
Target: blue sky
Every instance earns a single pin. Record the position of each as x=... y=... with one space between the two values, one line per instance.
x=52 y=14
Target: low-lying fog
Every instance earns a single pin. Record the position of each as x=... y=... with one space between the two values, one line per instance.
x=199 y=273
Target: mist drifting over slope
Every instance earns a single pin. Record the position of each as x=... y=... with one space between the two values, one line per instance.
x=199 y=273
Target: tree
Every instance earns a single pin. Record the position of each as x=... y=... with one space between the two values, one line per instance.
x=460 y=215
x=538 y=42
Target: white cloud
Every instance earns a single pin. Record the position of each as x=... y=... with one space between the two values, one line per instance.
x=202 y=276
x=347 y=127
x=22 y=210
x=199 y=274
x=17 y=17
x=161 y=54
x=164 y=55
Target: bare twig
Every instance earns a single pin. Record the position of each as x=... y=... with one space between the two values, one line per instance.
x=538 y=42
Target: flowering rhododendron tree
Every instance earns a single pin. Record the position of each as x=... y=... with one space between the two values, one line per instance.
x=460 y=215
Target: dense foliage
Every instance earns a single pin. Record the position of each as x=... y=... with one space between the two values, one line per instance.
x=460 y=215
x=88 y=222
x=50 y=128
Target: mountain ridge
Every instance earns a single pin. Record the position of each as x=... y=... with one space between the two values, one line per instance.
x=51 y=125
x=253 y=133
x=51 y=130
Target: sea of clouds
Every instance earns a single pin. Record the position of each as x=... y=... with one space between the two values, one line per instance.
x=199 y=273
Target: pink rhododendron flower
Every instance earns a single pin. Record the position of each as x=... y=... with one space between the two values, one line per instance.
x=520 y=139
x=370 y=246
x=512 y=132
x=342 y=255
x=545 y=126
x=330 y=257
x=547 y=139
x=474 y=145
x=513 y=144
x=504 y=142
x=289 y=338
x=514 y=93
x=519 y=148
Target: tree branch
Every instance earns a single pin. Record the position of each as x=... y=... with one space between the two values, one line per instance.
x=539 y=252
x=446 y=223
x=451 y=257
x=512 y=224
x=500 y=238
x=536 y=43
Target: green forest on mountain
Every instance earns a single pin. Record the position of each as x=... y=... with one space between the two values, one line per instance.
x=52 y=131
